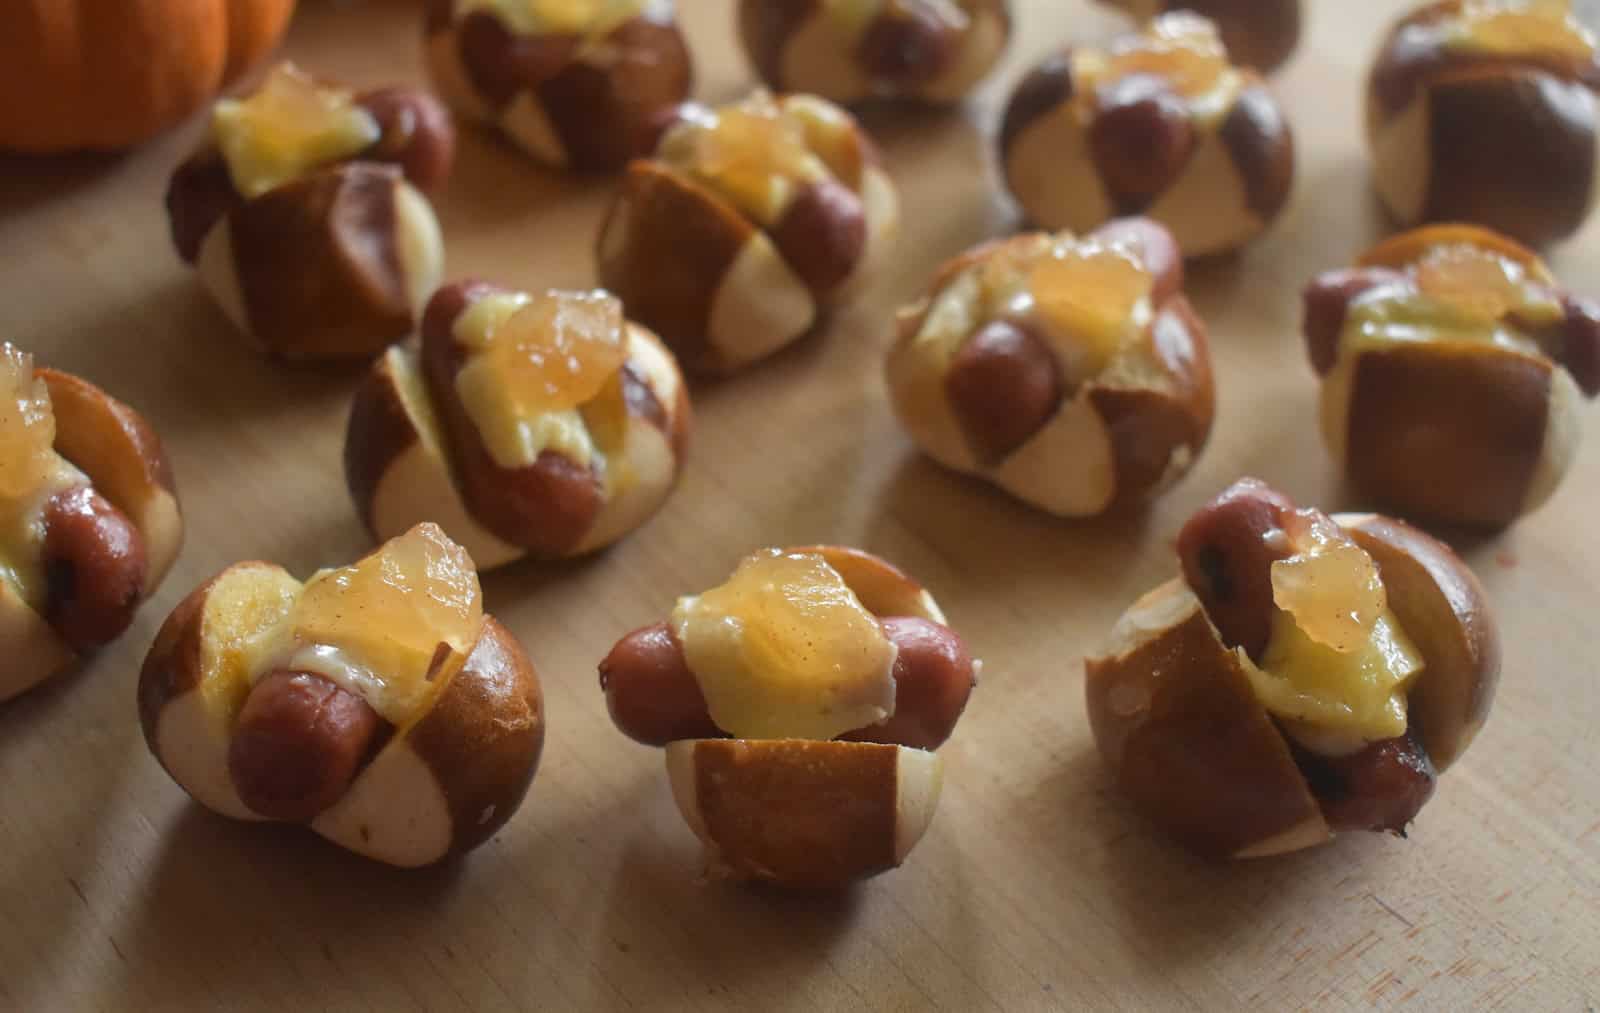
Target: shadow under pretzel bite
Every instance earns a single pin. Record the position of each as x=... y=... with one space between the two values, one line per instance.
x=721 y=938
x=1178 y=909
x=220 y=889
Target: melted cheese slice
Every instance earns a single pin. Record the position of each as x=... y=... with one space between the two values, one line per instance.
x=244 y=613
x=785 y=649
x=1360 y=691
x=1380 y=321
x=1458 y=293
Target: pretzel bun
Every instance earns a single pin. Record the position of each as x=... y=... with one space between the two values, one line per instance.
x=435 y=783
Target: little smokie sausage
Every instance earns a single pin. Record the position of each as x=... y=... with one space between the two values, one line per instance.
x=933 y=676
x=95 y=568
x=1142 y=138
x=822 y=235
x=546 y=507
x=1326 y=303
x=299 y=742
x=907 y=47
x=1378 y=788
x=1578 y=345
x=1227 y=549
x=655 y=699
x=416 y=133
x=1003 y=385
x=650 y=692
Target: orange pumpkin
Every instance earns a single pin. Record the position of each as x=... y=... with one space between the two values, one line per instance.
x=96 y=74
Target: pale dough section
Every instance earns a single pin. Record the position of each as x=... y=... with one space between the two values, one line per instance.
x=1206 y=210
x=1053 y=175
x=33 y=649
x=394 y=811
x=219 y=273
x=419 y=244
x=760 y=306
x=1401 y=158
x=643 y=473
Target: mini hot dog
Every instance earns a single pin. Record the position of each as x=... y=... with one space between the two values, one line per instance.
x=95 y=568
x=303 y=211
x=1228 y=550
x=89 y=518
x=541 y=424
x=799 y=704
x=1308 y=675
x=298 y=743
x=654 y=698
x=1070 y=371
x=375 y=702
x=1454 y=367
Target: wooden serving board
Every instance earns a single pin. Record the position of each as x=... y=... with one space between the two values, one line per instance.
x=1037 y=886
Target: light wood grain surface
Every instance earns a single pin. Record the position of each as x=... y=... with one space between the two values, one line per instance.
x=1036 y=888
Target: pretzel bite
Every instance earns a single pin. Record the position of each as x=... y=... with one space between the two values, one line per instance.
x=1454 y=369
x=1158 y=124
x=1489 y=112
x=576 y=84
x=932 y=51
x=1071 y=372
x=303 y=212
x=376 y=703
x=799 y=704
x=543 y=425
x=745 y=225
x=89 y=518
x=1306 y=676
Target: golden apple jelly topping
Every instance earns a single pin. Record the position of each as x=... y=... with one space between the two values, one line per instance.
x=1331 y=586
x=392 y=627
x=1483 y=284
x=1088 y=299
x=754 y=153
x=537 y=360
x=1182 y=49
x=288 y=127
x=558 y=351
x=1522 y=28
x=1094 y=294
